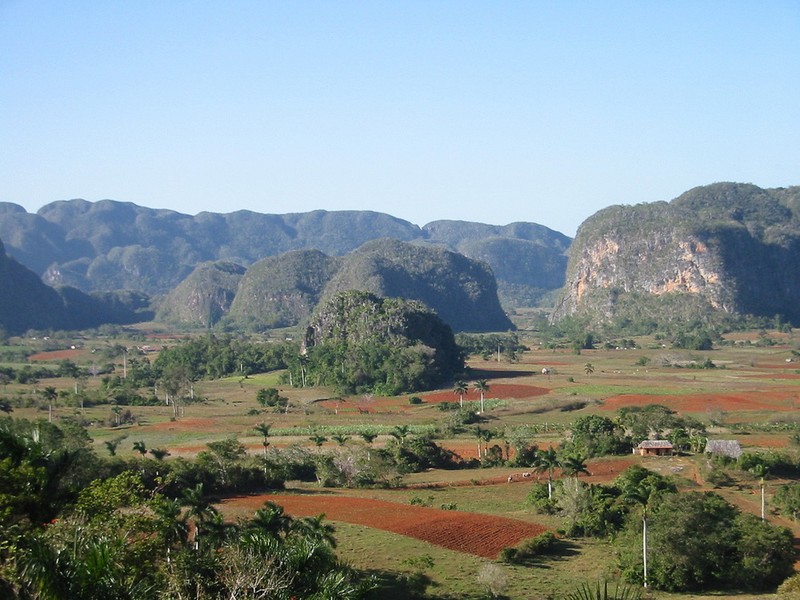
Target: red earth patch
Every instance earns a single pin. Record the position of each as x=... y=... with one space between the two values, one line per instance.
x=775 y=401
x=481 y=535
x=55 y=355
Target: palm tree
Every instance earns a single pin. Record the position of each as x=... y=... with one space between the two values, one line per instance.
x=588 y=368
x=270 y=519
x=172 y=523
x=140 y=448
x=574 y=466
x=315 y=530
x=112 y=445
x=400 y=433
x=460 y=388
x=546 y=462
x=263 y=429
x=369 y=437
x=50 y=394
x=200 y=509
x=483 y=435
x=482 y=386
x=641 y=495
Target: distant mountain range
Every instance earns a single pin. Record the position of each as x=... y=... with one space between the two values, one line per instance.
x=111 y=245
x=725 y=248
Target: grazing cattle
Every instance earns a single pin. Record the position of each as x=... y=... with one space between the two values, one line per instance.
x=526 y=474
x=510 y=478
x=545 y=371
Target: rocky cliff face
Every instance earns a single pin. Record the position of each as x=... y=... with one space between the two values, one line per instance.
x=729 y=248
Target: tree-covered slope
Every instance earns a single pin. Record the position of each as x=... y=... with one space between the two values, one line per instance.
x=460 y=290
x=725 y=248
x=358 y=342
x=281 y=291
x=204 y=297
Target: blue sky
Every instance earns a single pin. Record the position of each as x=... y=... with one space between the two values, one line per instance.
x=482 y=111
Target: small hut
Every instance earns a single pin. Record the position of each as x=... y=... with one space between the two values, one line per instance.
x=654 y=448
x=729 y=448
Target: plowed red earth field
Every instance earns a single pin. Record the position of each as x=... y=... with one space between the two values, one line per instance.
x=55 y=355
x=775 y=401
x=481 y=535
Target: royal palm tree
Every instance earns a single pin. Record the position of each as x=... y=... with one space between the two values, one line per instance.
x=172 y=524
x=641 y=495
x=50 y=394
x=200 y=509
x=574 y=466
x=546 y=462
x=369 y=437
x=482 y=386
x=460 y=388
x=484 y=436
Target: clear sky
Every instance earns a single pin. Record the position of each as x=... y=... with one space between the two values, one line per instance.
x=489 y=111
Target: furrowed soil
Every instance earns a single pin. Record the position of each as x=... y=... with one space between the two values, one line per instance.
x=477 y=534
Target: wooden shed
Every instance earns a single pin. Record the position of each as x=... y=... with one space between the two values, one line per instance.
x=654 y=448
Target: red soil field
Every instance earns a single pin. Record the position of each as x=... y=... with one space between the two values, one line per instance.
x=777 y=376
x=55 y=355
x=481 y=535
x=774 y=401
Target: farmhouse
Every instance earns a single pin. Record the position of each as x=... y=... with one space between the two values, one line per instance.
x=729 y=448
x=654 y=448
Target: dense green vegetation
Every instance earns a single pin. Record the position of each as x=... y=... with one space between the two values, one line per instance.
x=358 y=342
x=75 y=526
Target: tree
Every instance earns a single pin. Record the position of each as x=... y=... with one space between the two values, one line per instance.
x=400 y=433
x=50 y=394
x=483 y=435
x=112 y=445
x=200 y=509
x=482 y=386
x=698 y=541
x=263 y=429
x=139 y=447
x=460 y=388
x=574 y=465
x=588 y=368
x=546 y=462
x=369 y=437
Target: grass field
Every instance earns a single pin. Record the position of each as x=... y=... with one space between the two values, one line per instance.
x=752 y=387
